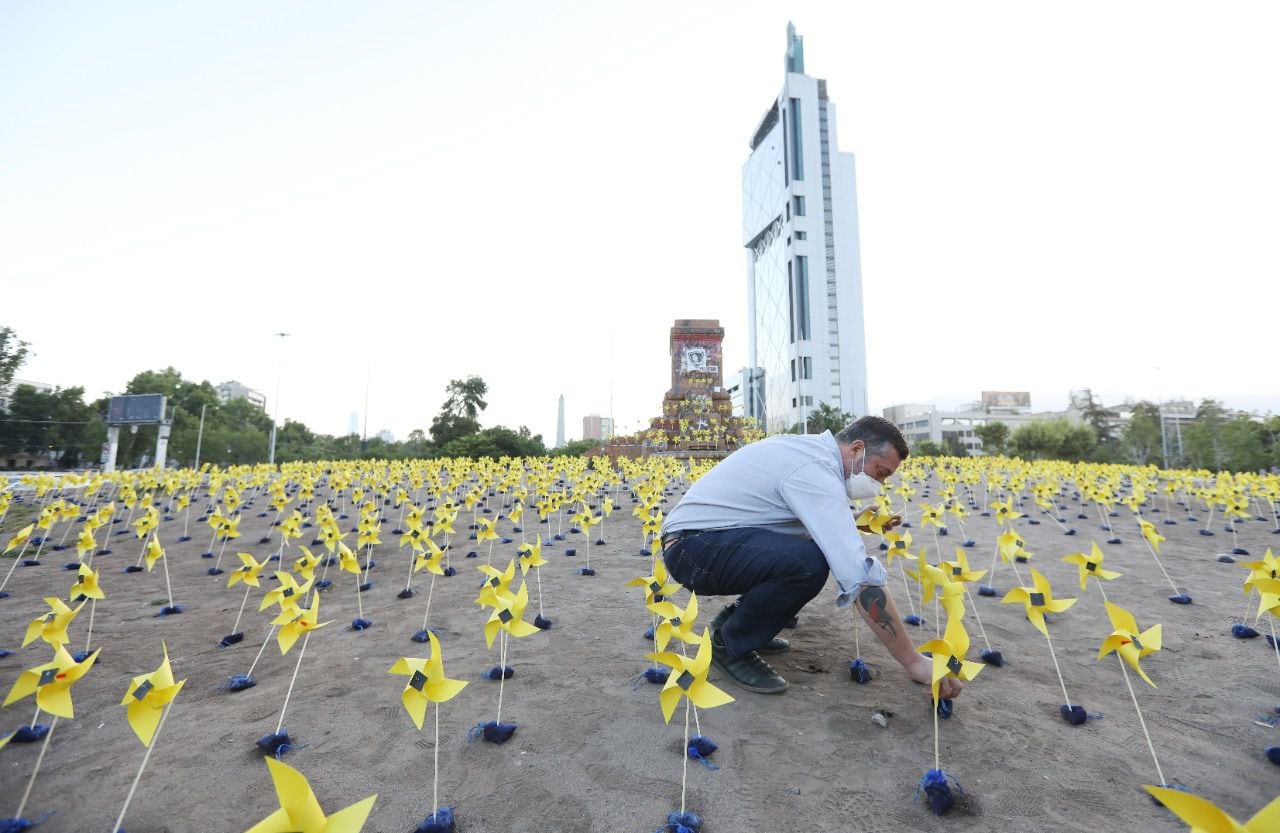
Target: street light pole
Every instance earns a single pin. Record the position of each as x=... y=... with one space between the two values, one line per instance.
x=275 y=416
x=200 y=433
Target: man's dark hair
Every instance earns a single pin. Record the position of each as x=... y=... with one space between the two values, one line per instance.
x=877 y=434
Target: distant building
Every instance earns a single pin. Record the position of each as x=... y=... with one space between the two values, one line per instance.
x=747 y=393
x=806 y=333
x=956 y=426
x=596 y=427
x=353 y=423
x=386 y=436
x=560 y=423
x=234 y=390
x=6 y=394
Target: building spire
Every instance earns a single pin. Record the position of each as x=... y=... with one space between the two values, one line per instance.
x=795 y=50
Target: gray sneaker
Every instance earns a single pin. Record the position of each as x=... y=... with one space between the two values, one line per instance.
x=777 y=645
x=748 y=671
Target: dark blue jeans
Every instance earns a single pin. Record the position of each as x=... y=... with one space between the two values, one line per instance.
x=775 y=574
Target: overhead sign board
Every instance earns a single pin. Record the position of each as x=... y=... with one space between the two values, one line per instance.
x=141 y=409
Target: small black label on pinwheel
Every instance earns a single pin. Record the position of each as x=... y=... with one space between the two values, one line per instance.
x=418 y=680
x=1091 y=566
x=654 y=586
x=955 y=571
x=954 y=666
x=676 y=621
x=1137 y=643
x=1037 y=599
x=504 y=616
x=141 y=691
x=47 y=676
x=288 y=591
x=685 y=680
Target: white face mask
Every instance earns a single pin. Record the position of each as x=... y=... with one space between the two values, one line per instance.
x=860 y=485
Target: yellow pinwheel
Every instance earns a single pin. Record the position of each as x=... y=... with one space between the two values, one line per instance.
x=85 y=543
x=873 y=519
x=931 y=515
x=286 y=594
x=508 y=616
x=949 y=654
x=1090 y=565
x=414 y=536
x=1038 y=600
x=154 y=552
x=688 y=678
x=1153 y=537
x=496 y=588
x=298 y=621
x=658 y=583
x=51 y=683
x=300 y=811
x=958 y=570
x=305 y=565
x=1126 y=640
x=430 y=559
x=86 y=585
x=1004 y=511
x=20 y=537
x=530 y=555
x=899 y=545
x=52 y=626
x=1204 y=816
x=147 y=696
x=229 y=528
x=677 y=623
x=248 y=572
x=486 y=530
x=1011 y=547
x=427 y=682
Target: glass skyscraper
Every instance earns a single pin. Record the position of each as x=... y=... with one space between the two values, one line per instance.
x=806 y=339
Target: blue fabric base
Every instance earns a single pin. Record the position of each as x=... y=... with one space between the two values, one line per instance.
x=231 y=639
x=937 y=791
x=30 y=734
x=859 y=671
x=1075 y=715
x=1243 y=631
x=360 y=624
x=441 y=821
x=986 y=590
x=171 y=610
x=240 y=682
x=992 y=657
x=541 y=622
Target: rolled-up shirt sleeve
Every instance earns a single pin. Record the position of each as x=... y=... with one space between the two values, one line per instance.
x=825 y=514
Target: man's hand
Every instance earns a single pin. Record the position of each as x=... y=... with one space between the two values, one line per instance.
x=894 y=522
x=921 y=670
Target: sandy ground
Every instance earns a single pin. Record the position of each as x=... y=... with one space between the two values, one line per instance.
x=592 y=752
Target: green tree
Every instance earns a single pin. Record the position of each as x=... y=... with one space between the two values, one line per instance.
x=994 y=435
x=827 y=417
x=929 y=448
x=1141 y=441
x=466 y=397
x=13 y=352
x=498 y=441
x=1243 y=443
x=57 y=423
x=1202 y=440
x=1053 y=439
x=575 y=448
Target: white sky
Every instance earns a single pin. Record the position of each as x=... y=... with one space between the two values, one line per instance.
x=1052 y=196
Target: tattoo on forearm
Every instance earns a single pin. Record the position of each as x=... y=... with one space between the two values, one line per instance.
x=874 y=601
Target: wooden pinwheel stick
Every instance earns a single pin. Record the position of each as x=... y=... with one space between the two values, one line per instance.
x=236 y=627
x=115 y=828
x=907 y=587
x=1141 y=721
x=1065 y=697
x=426 y=617
x=301 y=653
x=1274 y=644
x=684 y=771
x=167 y=584
x=502 y=676
x=145 y=540
x=974 y=608
x=31 y=782
x=1159 y=564
x=265 y=643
